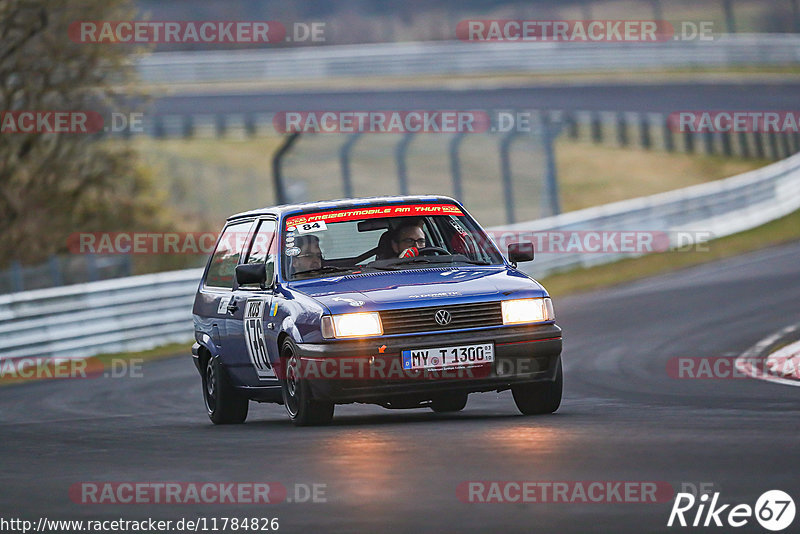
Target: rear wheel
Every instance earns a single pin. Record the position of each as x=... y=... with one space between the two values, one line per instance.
x=302 y=409
x=539 y=397
x=223 y=403
x=449 y=402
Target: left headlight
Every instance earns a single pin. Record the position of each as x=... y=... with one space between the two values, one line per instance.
x=352 y=325
x=527 y=311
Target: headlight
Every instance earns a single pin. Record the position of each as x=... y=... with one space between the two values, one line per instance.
x=527 y=311
x=352 y=325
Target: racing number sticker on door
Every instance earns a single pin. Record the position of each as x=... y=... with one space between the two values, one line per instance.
x=254 y=337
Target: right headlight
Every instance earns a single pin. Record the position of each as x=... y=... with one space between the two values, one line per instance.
x=352 y=325
x=527 y=311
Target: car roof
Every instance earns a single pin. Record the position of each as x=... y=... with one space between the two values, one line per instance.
x=341 y=203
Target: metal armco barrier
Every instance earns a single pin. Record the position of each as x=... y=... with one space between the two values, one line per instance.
x=716 y=209
x=124 y=314
x=457 y=57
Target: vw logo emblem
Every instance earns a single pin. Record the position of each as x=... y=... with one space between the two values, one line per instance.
x=443 y=317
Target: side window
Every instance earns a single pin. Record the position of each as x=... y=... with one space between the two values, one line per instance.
x=262 y=249
x=226 y=256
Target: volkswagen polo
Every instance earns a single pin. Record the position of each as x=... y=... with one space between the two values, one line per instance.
x=404 y=302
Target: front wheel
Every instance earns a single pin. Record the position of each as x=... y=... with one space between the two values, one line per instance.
x=302 y=409
x=223 y=403
x=538 y=398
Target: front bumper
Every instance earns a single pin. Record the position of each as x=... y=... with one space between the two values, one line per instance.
x=371 y=370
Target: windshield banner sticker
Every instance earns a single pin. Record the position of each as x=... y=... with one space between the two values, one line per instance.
x=405 y=210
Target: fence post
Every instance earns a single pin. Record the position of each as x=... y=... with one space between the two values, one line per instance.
x=221 y=125
x=622 y=129
x=55 y=271
x=17 y=280
x=277 y=172
x=344 y=163
x=597 y=128
x=572 y=126
x=188 y=126
x=772 y=137
x=644 y=131
x=505 y=170
x=250 y=124
x=91 y=267
x=128 y=264
x=726 y=144
x=669 y=140
x=787 y=149
x=158 y=127
x=744 y=148
x=758 y=142
x=455 y=166
x=400 y=156
x=708 y=142
x=730 y=19
x=549 y=134
x=658 y=13
x=688 y=140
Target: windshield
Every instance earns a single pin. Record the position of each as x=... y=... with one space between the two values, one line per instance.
x=382 y=238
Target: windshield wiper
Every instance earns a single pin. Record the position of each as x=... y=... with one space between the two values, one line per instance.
x=326 y=269
x=393 y=265
x=473 y=262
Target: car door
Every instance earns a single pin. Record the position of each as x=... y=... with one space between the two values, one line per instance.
x=249 y=313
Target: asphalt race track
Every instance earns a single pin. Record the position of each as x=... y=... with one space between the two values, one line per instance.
x=623 y=419
x=664 y=97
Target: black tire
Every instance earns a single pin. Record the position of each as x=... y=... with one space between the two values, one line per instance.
x=302 y=409
x=539 y=398
x=225 y=406
x=449 y=402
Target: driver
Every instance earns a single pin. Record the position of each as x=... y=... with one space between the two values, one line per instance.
x=310 y=256
x=408 y=238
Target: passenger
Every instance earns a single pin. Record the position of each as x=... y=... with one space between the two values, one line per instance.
x=310 y=256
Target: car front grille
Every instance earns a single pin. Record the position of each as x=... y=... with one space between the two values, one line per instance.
x=411 y=320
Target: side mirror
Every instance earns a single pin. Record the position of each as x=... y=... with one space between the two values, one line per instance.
x=518 y=252
x=252 y=273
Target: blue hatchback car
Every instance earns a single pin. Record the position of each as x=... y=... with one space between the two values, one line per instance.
x=403 y=302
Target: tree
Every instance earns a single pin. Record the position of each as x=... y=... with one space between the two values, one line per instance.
x=56 y=184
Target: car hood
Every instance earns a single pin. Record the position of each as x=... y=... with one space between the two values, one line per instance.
x=418 y=288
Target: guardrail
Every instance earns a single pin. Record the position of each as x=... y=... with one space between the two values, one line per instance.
x=716 y=209
x=124 y=314
x=141 y=312
x=457 y=57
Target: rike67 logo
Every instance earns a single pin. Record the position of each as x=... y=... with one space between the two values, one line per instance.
x=774 y=510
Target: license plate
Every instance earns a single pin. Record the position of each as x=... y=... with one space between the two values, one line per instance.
x=448 y=357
